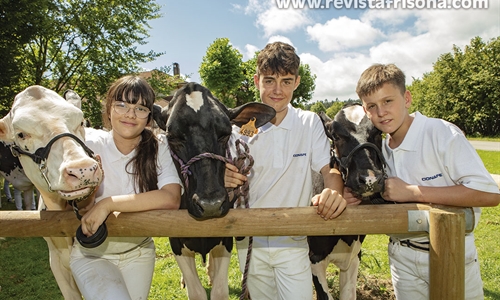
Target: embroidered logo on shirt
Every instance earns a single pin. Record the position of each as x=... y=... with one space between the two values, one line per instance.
x=299 y=154
x=432 y=177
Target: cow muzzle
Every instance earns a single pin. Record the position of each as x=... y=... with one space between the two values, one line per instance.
x=367 y=184
x=41 y=154
x=204 y=208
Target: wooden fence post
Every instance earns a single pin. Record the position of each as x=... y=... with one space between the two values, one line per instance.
x=447 y=253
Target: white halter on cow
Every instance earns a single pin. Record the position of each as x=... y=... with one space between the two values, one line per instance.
x=48 y=135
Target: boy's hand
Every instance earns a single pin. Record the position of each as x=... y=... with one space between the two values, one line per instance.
x=232 y=178
x=350 y=198
x=330 y=204
x=399 y=191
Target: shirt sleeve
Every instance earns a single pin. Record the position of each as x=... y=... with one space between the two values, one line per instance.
x=320 y=145
x=464 y=164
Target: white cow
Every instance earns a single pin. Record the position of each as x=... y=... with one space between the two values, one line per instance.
x=62 y=169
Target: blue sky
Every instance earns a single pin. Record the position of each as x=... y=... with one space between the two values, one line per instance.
x=338 y=44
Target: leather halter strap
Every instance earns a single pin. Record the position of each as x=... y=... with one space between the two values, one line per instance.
x=42 y=153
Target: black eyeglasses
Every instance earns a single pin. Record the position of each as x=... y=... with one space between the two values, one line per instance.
x=122 y=108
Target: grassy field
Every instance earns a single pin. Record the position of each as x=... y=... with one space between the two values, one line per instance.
x=25 y=272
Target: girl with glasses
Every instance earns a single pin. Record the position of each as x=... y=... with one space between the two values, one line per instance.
x=139 y=175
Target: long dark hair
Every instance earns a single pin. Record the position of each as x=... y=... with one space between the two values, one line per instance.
x=132 y=89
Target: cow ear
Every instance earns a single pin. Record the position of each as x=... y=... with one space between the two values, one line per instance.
x=5 y=132
x=160 y=116
x=324 y=117
x=262 y=113
x=327 y=124
x=73 y=98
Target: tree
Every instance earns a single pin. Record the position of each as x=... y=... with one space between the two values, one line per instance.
x=318 y=107
x=85 y=45
x=221 y=70
x=247 y=91
x=163 y=83
x=464 y=88
x=306 y=88
x=15 y=32
x=335 y=108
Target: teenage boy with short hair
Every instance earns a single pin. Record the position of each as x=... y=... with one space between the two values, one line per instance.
x=285 y=151
x=428 y=160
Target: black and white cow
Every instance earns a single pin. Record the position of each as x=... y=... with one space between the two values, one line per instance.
x=356 y=145
x=12 y=170
x=198 y=127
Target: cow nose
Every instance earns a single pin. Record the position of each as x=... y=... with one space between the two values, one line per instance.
x=372 y=181
x=205 y=208
x=83 y=175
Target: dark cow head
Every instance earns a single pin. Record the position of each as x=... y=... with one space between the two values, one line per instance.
x=198 y=128
x=357 y=145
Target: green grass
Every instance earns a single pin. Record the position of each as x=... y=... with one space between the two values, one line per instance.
x=486 y=139
x=491 y=160
x=25 y=272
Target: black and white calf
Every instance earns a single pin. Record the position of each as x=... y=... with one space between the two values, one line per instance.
x=356 y=145
x=12 y=170
x=198 y=127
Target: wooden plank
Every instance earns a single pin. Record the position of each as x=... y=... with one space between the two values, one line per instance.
x=362 y=219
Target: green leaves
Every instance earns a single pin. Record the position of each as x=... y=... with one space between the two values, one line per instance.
x=464 y=88
x=82 y=45
x=221 y=70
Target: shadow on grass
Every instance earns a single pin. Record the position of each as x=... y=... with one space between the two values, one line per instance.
x=491 y=294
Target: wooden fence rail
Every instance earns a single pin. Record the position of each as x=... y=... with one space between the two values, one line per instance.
x=446 y=227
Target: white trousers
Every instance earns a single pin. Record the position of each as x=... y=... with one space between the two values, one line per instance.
x=125 y=276
x=410 y=272
x=279 y=268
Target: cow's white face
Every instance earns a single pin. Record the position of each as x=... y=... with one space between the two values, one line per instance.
x=37 y=115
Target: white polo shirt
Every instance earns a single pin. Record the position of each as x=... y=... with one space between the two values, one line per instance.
x=284 y=158
x=119 y=182
x=435 y=152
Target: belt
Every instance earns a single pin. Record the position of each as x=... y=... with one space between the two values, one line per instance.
x=421 y=246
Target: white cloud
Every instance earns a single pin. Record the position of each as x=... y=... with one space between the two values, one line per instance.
x=274 y=20
x=255 y=6
x=280 y=38
x=249 y=52
x=343 y=33
x=387 y=17
x=412 y=39
x=336 y=77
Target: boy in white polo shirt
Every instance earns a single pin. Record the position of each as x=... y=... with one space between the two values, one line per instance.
x=285 y=152
x=428 y=160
